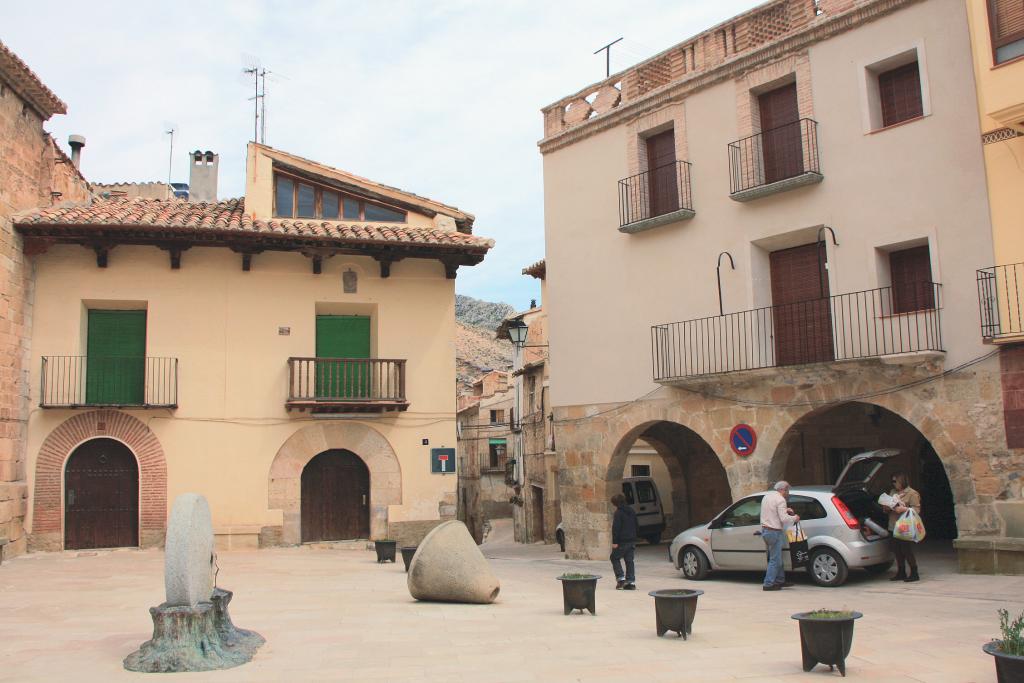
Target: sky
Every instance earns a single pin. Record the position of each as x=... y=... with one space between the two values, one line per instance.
x=441 y=97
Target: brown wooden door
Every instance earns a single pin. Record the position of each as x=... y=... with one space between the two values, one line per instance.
x=801 y=312
x=661 y=176
x=101 y=496
x=335 y=497
x=780 y=134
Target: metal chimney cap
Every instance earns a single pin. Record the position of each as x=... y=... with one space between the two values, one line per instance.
x=76 y=141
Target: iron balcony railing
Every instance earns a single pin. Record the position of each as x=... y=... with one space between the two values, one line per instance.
x=494 y=461
x=346 y=380
x=774 y=155
x=999 y=301
x=875 y=322
x=656 y=192
x=88 y=381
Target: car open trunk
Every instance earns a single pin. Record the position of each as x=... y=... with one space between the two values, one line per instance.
x=854 y=485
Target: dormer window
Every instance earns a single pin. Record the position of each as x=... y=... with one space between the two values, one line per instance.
x=294 y=198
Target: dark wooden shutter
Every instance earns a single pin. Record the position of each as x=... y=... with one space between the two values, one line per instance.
x=801 y=309
x=780 y=133
x=116 y=358
x=911 y=271
x=342 y=336
x=661 y=177
x=899 y=91
x=1006 y=22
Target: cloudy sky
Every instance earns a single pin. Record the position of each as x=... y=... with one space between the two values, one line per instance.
x=438 y=97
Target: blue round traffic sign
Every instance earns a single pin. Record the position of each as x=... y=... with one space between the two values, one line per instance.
x=743 y=440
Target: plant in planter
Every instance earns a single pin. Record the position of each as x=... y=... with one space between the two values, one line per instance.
x=674 y=610
x=408 y=551
x=385 y=550
x=826 y=637
x=1009 y=650
x=578 y=592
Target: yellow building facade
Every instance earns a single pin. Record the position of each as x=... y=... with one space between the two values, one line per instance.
x=289 y=355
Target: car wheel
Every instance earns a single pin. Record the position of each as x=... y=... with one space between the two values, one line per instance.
x=694 y=563
x=828 y=568
x=560 y=537
x=654 y=540
x=879 y=568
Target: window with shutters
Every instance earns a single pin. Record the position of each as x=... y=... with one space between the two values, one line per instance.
x=1006 y=25
x=115 y=357
x=912 y=287
x=899 y=93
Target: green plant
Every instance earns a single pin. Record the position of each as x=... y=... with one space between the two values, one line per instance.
x=1012 y=642
x=825 y=613
x=576 y=576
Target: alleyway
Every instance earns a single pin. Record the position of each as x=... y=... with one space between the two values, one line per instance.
x=337 y=615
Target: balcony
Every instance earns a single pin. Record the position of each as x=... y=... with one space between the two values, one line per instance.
x=773 y=161
x=1000 y=305
x=655 y=197
x=113 y=382
x=346 y=385
x=869 y=324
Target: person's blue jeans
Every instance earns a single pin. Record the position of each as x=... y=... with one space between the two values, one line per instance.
x=773 y=541
x=624 y=552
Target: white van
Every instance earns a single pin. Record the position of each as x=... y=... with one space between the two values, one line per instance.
x=641 y=495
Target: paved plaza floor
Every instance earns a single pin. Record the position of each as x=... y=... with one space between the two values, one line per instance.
x=337 y=615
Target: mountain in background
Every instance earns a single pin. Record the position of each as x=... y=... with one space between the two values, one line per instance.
x=476 y=349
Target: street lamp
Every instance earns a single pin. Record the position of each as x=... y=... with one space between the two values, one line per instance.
x=517 y=330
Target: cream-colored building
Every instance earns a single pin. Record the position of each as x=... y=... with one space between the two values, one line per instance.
x=289 y=355
x=801 y=187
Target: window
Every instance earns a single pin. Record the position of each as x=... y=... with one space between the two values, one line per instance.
x=497 y=416
x=115 y=357
x=1006 y=25
x=747 y=512
x=639 y=470
x=645 y=492
x=497 y=448
x=899 y=92
x=627 y=491
x=531 y=391
x=807 y=508
x=912 y=288
x=295 y=199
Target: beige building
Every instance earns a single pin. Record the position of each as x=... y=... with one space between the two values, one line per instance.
x=289 y=355
x=803 y=188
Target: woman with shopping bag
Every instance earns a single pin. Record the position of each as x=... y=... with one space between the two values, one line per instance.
x=906 y=499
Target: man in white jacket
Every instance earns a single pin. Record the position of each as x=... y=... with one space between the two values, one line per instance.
x=775 y=516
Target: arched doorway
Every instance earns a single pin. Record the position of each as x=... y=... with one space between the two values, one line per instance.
x=101 y=496
x=818 y=445
x=335 y=497
x=698 y=487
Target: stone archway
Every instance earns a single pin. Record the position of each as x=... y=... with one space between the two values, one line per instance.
x=308 y=442
x=47 y=505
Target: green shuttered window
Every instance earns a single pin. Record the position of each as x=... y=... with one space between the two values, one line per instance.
x=116 y=358
x=342 y=337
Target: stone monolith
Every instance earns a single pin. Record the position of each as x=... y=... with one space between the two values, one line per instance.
x=449 y=567
x=188 y=554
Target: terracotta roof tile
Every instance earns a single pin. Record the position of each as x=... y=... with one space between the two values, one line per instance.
x=28 y=85
x=227 y=217
x=537 y=270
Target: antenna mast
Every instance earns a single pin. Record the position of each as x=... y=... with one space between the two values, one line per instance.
x=170 y=156
x=259 y=123
x=607 y=57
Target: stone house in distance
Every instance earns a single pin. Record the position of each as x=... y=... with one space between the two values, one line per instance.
x=289 y=355
x=34 y=172
x=802 y=188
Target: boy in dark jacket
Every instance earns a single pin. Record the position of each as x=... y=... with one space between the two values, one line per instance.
x=624 y=533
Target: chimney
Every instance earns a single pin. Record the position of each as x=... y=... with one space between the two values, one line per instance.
x=76 y=142
x=202 y=181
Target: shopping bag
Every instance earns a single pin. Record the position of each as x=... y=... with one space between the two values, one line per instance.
x=909 y=527
x=799 y=553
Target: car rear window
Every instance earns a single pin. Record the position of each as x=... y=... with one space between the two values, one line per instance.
x=645 y=492
x=627 y=491
x=807 y=508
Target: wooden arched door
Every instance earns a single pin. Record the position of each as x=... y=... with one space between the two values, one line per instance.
x=101 y=496
x=335 y=497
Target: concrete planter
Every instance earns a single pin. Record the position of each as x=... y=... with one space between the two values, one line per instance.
x=674 y=610
x=579 y=593
x=826 y=641
x=407 y=554
x=1009 y=668
x=385 y=550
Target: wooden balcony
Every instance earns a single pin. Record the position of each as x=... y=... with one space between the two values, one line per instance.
x=346 y=385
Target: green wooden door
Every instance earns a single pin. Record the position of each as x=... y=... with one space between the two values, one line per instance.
x=116 y=358
x=343 y=336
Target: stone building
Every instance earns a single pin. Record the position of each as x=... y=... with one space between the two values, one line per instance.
x=803 y=187
x=289 y=355
x=34 y=172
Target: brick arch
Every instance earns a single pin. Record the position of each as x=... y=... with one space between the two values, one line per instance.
x=47 y=506
x=305 y=444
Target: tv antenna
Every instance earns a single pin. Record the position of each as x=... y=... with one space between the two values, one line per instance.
x=259 y=100
x=607 y=57
x=170 y=157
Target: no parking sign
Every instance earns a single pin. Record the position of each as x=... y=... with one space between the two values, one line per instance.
x=743 y=440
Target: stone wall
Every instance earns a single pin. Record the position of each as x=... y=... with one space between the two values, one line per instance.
x=959 y=413
x=32 y=167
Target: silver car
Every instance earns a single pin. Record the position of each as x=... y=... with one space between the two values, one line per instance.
x=844 y=524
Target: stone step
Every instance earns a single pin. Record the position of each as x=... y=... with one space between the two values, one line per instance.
x=359 y=544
